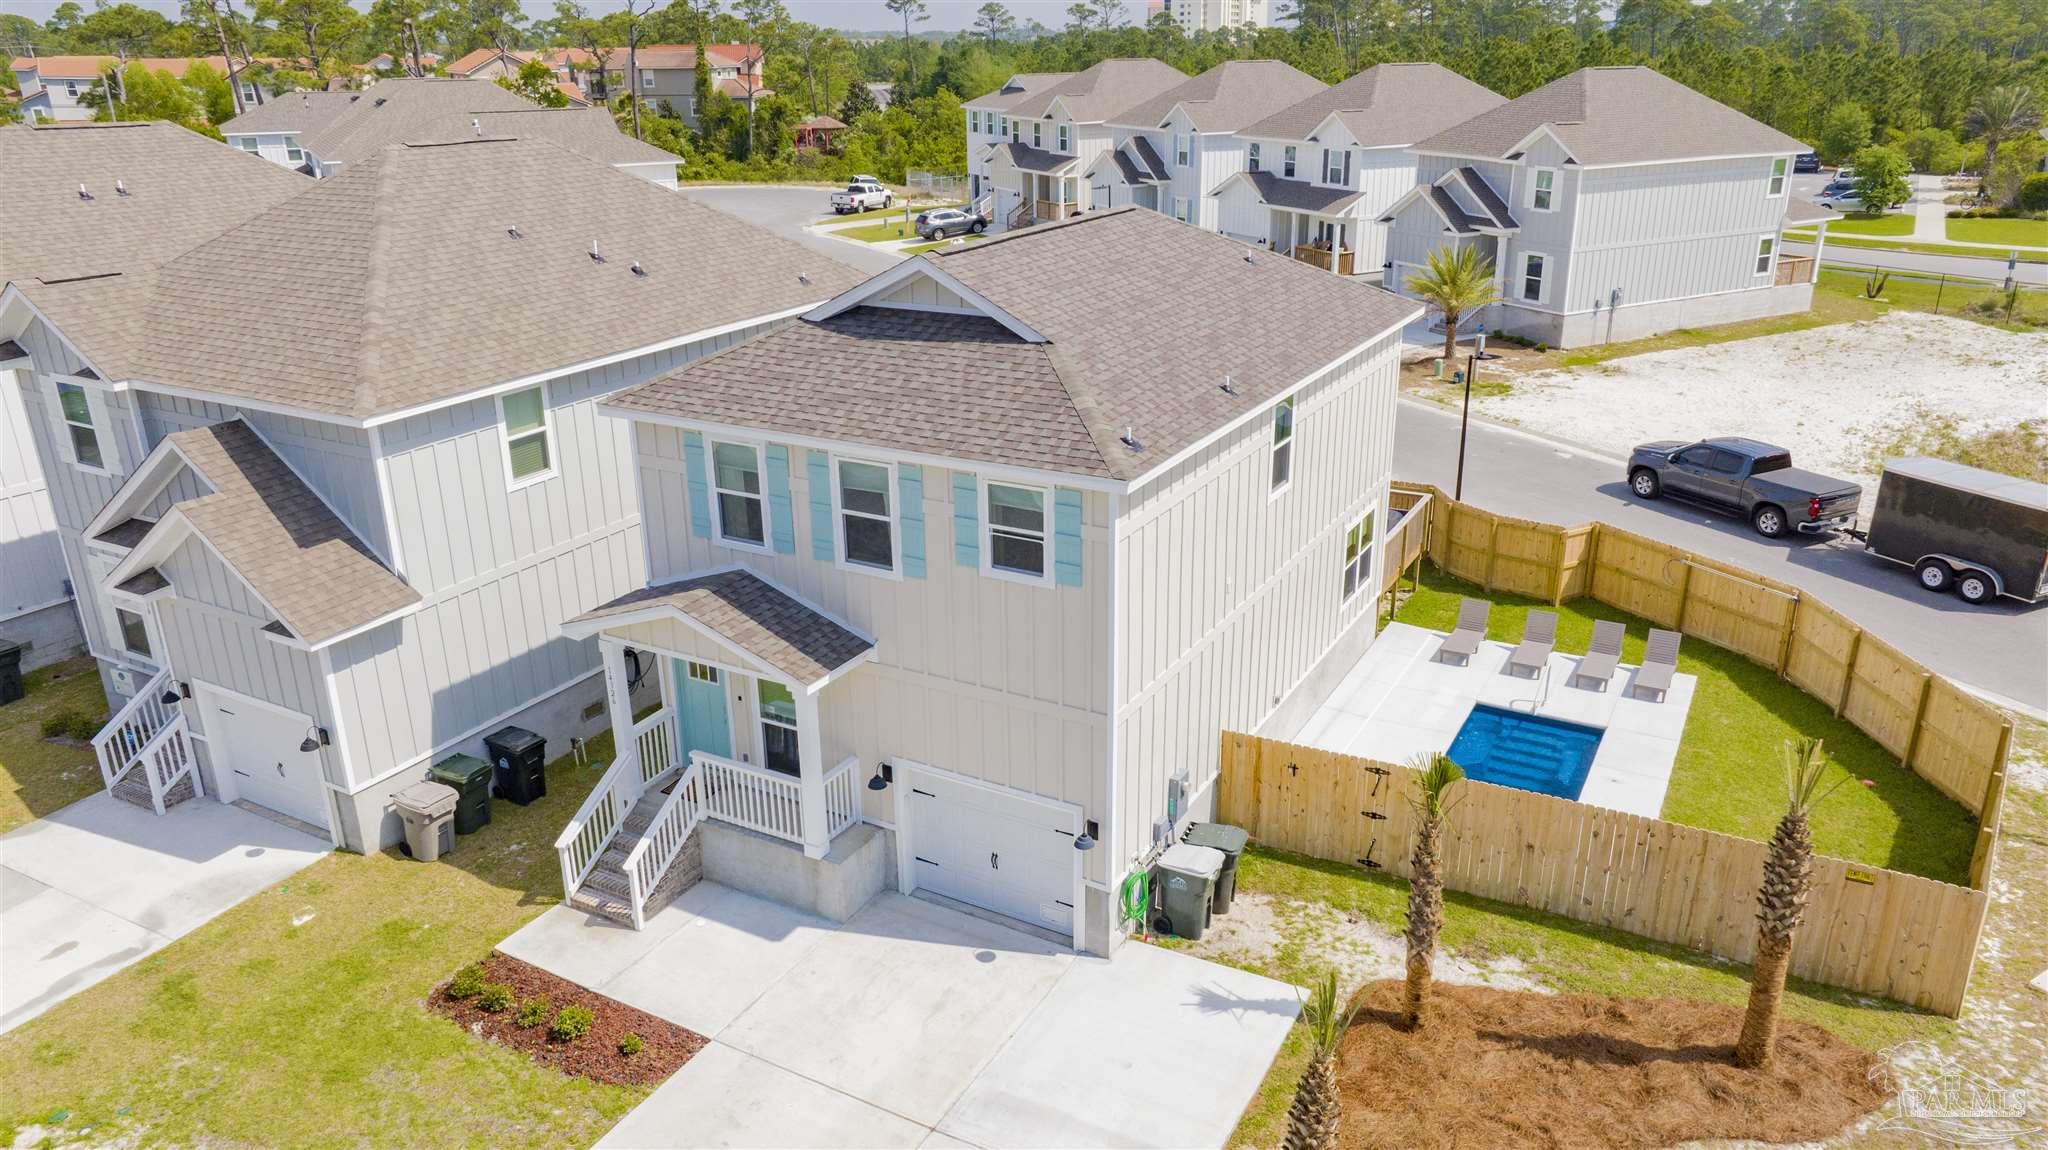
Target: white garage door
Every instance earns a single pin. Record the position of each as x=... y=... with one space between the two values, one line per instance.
x=993 y=849
x=256 y=752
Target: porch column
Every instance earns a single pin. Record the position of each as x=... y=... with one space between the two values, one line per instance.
x=811 y=768
x=1820 y=239
x=612 y=653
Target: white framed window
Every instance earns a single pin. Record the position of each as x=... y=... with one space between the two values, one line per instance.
x=134 y=633
x=1183 y=210
x=1287 y=161
x=1357 y=556
x=775 y=706
x=1004 y=129
x=866 y=514
x=1543 y=189
x=71 y=88
x=1037 y=135
x=246 y=143
x=529 y=436
x=292 y=152
x=1251 y=157
x=1016 y=534
x=973 y=120
x=1777 y=185
x=1532 y=287
x=736 y=488
x=248 y=92
x=1282 y=475
x=1180 y=149
x=76 y=404
x=1066 y=134
x=1335 y=160
x=701 y=672
x=647 y=80
x=1766 y=251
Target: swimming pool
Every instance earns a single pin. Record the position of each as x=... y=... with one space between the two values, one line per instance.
x=1514 y=749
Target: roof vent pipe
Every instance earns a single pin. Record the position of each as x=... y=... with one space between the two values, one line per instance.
x=1130 y=438
x=1228 y=386
x=477 y=126
x=82 y=193
x=595 y=255
x=120 y=188
x=515 y=233
x=638 y=270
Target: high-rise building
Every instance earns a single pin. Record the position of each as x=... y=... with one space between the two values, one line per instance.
x=1213 y=15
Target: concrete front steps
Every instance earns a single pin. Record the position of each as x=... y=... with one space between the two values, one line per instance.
x=607 y=891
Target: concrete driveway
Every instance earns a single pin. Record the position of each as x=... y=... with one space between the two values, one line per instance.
x=916 y=1025
x=102 y=883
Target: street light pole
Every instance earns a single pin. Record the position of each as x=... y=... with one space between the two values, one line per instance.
x=1465 y=418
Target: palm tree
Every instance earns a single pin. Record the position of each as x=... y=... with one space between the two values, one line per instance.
x=1998 y=114
x=1312 y=1119
x=1434 y=773
x=1457 y=284
x=1788 y=873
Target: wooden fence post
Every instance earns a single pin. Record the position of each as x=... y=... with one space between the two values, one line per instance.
x=1919 y=719
x=1684 y=593
x=1557 y=563
x=1492 y=545
x=1987 y=829
x=1791 y=629
x=1849 y=669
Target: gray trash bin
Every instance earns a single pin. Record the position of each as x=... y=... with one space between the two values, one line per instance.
x=1187 y=878
x=428 y=811
x=1228 y=839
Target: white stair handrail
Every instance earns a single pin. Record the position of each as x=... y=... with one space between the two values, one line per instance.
x=591 y=828
x=119 y=743
x=165 y=759
x=663 y=839
x=842 y=796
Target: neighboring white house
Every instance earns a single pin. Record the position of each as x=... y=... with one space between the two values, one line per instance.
x=326 y=513
x=1614 y=203
x=953 y=585
x=1318 y=175
x=53 y=87
x=1173 y=150
x=988 y=123
x=276 y=129
x=1056 y=132
x=35 y=596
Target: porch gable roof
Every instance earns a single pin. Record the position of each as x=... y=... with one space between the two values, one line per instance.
x=747 y=613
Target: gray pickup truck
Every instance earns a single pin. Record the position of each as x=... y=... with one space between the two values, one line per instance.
x=1744 y=477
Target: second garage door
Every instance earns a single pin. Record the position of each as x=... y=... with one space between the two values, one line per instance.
x=994 y=849
x=257 y=748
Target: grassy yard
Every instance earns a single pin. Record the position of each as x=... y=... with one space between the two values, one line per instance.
x=2020 y=233
x=881 y=213
x=1862 y=224
x=297 y=1018
x=1974 y=301
x=881 y=233
x=1881 y=243
x=37 y=775
x=1828 y=307
x=1728 y=776
x=917 y=248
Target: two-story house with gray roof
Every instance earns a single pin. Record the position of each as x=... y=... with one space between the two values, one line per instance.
x=988 y=124
x=326 y=514
x=952 y=584
x=1057 y=132
x=1318 y=174
x=1613 y=203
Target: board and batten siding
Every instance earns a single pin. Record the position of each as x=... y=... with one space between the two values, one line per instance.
x=1228 y=596
x=499 y=569
x=1217 y=157
x=979 y=675
x=31 y=557
x=1671 y=231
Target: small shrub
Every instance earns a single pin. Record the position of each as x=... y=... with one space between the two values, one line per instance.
x=83 y=726
x=631 y=1045
x=71 y=723
x=1875 y=283
x=2034 y=193
x=533 y=1011
x=57 y=724
x=468 y=982
x=572 y=1023
x=496 y=998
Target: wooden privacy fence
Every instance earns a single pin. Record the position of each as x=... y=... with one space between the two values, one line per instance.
x=1939 y=731
x=1868 y=929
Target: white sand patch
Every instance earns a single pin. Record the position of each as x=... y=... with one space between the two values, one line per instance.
x=1828 y=393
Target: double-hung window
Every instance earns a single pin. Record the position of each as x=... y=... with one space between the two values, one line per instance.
x=292 y=151
x=1037 y=135
x=867 y=529
x=1335 y=160
x=246 y=143
x=85 y=438
x=1532 y=277
x=1003 y=125
x=973 y=120
x=1017 y=530
x=529 y=456
x=1287 y=162
x=1283 y=445
x=1066 y=132
x=1764 y=247
x=1357 y=556
x=134 y=633
x=1251 y=157
x=1180 y=149
x=736 y=477
x=647 y=81
x=1543 y=189
x=1777 y=186
x=778 y=726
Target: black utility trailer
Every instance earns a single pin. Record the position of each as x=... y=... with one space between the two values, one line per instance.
x=1976 y=532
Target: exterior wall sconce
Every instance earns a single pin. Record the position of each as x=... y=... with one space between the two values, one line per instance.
x=884 y=775
x=1085 y=841
x=316 y=738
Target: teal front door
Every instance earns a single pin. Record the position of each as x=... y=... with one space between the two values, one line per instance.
x=702 y=720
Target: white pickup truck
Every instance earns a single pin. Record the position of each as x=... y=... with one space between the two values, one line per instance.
x=861 y=196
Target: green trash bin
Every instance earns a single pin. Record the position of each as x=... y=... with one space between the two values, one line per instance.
x=1230 y=840
x=1187 y=881
x=471 y=778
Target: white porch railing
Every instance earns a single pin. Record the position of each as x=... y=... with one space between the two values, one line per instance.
x=842 y=796
x=590 y=830
x=119 y=744
x=659 y=844
x=751 y=797
x=654 y=739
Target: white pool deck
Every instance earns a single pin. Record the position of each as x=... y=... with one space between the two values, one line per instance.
x=1398 y=701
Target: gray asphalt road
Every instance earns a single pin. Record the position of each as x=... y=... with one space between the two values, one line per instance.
x=2000 y=649
x=787 y=210
x=1989 y=269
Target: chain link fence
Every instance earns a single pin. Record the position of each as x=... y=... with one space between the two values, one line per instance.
x=932 y=185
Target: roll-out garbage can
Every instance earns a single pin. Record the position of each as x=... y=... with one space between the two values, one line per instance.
x=521 y=758
x=1187 y=881
x=10 y=672
x=428 y=811
x=1230 y=840
x=471 y=778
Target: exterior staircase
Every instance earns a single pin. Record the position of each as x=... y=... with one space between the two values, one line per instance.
x=144 y=753
x=607 y=889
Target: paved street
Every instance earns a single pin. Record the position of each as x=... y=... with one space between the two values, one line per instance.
x=787 y=210
x=2000 y=648
x=1989 y=269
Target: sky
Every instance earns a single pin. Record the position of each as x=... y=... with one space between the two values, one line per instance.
x=852 y=15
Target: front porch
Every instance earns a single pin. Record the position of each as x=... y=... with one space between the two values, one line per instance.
x=1320 y=241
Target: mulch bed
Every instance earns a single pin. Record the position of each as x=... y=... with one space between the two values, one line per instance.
x=1509 y=1068
x=595 y=1056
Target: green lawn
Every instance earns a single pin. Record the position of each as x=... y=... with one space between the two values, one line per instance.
x=915 y=249
x=1863 y=224
x=2020 y=233
x=38 y=776
x=1971 y=300
x=298 y=1017
x=1994 y=259
x=1728 y=775
x=881 y=213
x=1838 y=307
x=880 y=233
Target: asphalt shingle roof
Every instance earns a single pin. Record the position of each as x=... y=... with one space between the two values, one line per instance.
x=1226 y=97
x=1016 y=90
x=1153 y=160
x=754 y=615
x=1488 y=199
x=1299 y=195
x=404 y=109
x=1101 y=91
x=590 y=132
x=301 y=112
x=1623 y=115
x=1387 y=105
x=1029 y=159
x=1461 y=221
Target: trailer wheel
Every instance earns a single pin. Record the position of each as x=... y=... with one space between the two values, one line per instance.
x=1975 y=587
x=1644 y=483
x=1935 y=575
x=1769 y=520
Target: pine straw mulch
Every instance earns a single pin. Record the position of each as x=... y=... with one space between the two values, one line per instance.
x=1510 y=1068
x=665 y=1046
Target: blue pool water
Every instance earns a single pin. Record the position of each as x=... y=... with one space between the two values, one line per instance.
x=1519 y=750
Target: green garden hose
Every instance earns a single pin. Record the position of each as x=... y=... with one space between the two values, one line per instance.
x=1134 y=899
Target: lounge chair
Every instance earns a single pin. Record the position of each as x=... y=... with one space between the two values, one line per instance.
x=1539 y=636
x=1660 y=659
x=1602 y=654
x=1464 y=640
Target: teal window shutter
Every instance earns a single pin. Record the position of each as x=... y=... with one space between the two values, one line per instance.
x=1066 y=537
x=819 y=468
x=910 y=489
x=966 y=521
x=700 y=497
x=781 y=515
